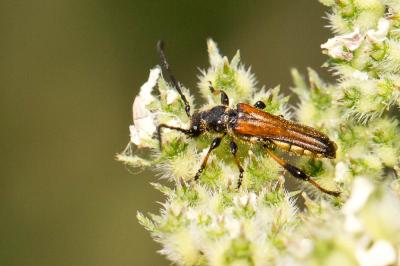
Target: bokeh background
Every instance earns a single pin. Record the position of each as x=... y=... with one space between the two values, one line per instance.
x=69 y=71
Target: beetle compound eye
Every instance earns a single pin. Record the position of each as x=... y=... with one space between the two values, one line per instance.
x=260 y=105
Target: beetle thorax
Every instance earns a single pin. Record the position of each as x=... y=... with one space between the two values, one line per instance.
x=216 y=119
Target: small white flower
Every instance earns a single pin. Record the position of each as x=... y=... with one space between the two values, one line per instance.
x=229 y=175
x=142 y=130
x=233 y=226
x=144 y=125
x=147 y=88
x=245 y=200
x=379 y=35
x=192 y=214
x=301 y=248
x=353 y=224
x=252 y=199
x=342 y=46
x=182 y=246
x=342 y=172
x=360 y=75
x=362 y=188
x=172 y=95
x=380 y=254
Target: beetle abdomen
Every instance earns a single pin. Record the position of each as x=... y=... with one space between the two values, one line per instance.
x=296 y=149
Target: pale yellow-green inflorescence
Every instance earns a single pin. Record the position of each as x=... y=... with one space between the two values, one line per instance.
x=211 y=222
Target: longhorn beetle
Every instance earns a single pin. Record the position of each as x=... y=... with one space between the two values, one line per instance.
x=251 y=124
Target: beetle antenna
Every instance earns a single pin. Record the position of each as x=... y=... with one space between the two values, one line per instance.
x=164 y=63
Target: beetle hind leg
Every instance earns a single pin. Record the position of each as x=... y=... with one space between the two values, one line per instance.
x=299 y=174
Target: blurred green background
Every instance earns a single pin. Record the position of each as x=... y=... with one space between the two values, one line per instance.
x=69 y=71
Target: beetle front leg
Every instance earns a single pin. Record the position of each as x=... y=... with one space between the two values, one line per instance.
x=299 y=174
x=160 y=126
x=214 y=144
x=224 y=96
x=234 y=148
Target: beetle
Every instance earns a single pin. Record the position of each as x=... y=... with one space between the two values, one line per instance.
x=251 y=124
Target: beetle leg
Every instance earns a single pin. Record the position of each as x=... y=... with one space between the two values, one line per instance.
x=224 y=96
x=297 y=173
x=164 y=63
x=214 y=144
x=234 y=148
x=160 y=126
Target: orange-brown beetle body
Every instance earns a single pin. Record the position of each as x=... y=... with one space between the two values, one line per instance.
x=251 y=124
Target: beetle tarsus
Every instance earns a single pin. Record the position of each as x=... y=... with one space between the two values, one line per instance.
x=214 y=144
x=233 y=149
